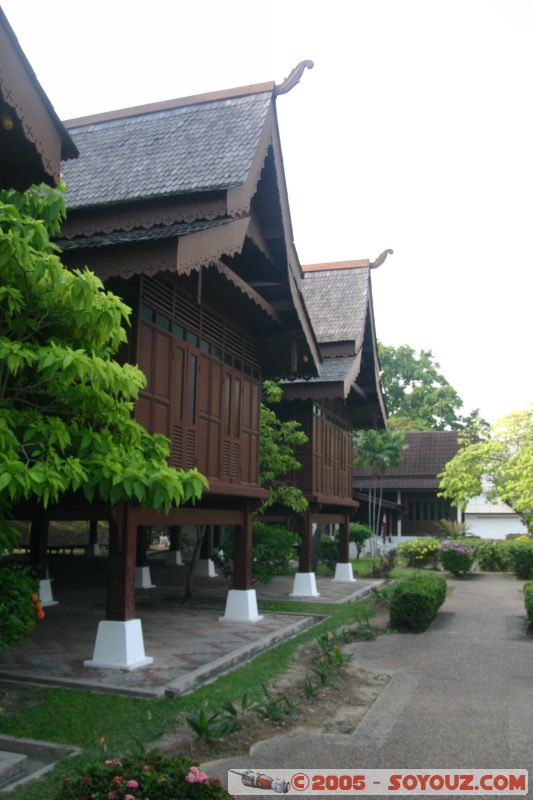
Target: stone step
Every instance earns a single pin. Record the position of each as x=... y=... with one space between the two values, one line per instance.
x=13 y=767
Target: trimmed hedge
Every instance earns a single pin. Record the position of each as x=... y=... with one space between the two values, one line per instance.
x=521 y=557
x=414 y=602
x=528 y=602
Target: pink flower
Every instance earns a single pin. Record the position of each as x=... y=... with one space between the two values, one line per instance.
x=148 y=768
x=118 y=779
x=132 y=784
x=129 y=797
x=112 y=796
x=113 y=762
x=195 y=776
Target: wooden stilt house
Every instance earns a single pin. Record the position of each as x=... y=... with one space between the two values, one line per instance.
x=181 y=207
x=346 y=394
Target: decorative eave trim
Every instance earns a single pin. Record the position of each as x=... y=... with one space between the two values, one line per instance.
x=21 y=91
x=140 y=215
x=205 y=247
x=36 y=96
x=293 y=263
x=379 y=390
x=247 y=290
x=239 y=198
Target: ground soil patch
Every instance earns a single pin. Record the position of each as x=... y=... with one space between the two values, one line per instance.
x=336 y=708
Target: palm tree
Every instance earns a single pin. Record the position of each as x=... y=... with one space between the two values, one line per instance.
x=377 y=451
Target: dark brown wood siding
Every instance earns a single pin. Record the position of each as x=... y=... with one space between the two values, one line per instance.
x=327 y=457
x=203 y=385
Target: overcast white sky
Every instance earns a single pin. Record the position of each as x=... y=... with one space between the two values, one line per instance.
x=413 y=131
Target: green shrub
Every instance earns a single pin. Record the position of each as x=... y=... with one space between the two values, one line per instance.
x=521 y=557
x=324 y=571
x=148 y=775
x=18 y=612
x=456 y=557
x=420 y=552
x=528 y=600
x=273 y=546
x=414 y=602
x=328 y=552
x=488 y=556
x=359 y=534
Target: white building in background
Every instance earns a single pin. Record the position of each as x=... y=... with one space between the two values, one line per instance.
x=492 y=520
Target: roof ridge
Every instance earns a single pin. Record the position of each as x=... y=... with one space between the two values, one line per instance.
x=331 y=265
x=166 y=105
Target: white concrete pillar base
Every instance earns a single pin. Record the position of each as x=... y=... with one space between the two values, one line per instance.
x=304 y=585
x=241 y=606
x=119 y=645
x=93 y=550
x=174 y=558
x=46 y=596
x=344 y=573
x=205 y=567
x=143 y=578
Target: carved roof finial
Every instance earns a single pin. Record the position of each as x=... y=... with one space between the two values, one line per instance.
x=294 y=78
x=381 y=258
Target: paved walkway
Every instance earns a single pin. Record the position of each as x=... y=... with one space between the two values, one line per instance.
x=461 y=694
x=189 y=644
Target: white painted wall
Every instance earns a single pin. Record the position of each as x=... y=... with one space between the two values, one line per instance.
x=492 y=520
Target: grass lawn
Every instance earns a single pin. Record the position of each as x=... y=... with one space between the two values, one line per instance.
x=105 y=725
x=363 y=566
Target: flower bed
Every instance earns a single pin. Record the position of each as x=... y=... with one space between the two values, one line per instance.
x=420 y=552
x=457 y=557
x=143 y=777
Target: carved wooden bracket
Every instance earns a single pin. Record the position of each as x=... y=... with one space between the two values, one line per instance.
x=292 y=79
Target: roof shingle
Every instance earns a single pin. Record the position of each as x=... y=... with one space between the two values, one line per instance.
x=194 y=148
x=337 y=302
x=425 y=457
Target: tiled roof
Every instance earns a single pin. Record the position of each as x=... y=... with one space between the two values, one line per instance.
x=140 y=234
x=337 y=301
x=424 y=458
x=333 y=370
x=192 y=148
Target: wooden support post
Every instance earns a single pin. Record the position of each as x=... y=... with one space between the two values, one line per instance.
x=305 y=560
x=206 y=550
x=242 y=559
x=175 y=537
x=241 y=602
x=344 y=541
x=121 y=573
x=39 y=543
x=217 y=536
x=93 y=532
x=143 y=533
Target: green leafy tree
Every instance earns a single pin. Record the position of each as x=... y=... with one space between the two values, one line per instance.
x=418 y=396
x=66 y=405
x=359 y=534
x=377 y=451
x=276 y=453
x=502 y=465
